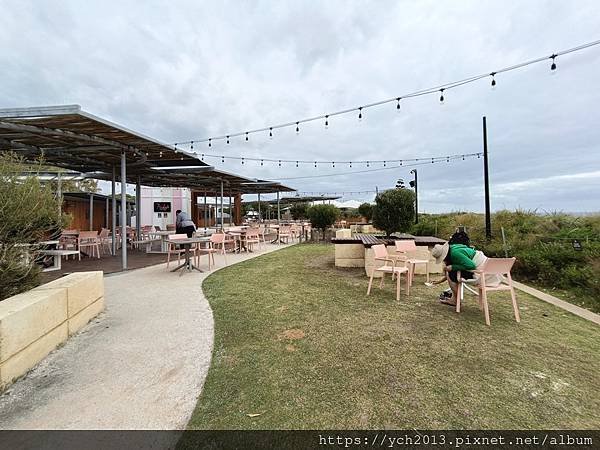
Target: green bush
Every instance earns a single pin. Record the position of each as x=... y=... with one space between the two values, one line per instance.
x=29 y=213
x=394 y=211
x=366 y=210
x=299 y=211
x=323 y=216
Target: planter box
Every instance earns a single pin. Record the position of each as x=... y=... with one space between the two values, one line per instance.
x=34 y=323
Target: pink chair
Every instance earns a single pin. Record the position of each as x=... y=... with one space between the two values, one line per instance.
x=217 y=241
x=250 y=238
x=173 y=250
x=89 y=239
x=381 y=254
x=104 y=238
x=492 y=266
x=285 y=232
x=403 y=247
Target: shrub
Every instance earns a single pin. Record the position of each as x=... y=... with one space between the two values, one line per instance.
x=394 y=210
x=299 y=211
x=323 y=216
x=29 y=212
x=366 y=210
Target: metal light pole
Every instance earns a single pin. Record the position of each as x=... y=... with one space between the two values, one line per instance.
x=414 y=184
x=486 y=181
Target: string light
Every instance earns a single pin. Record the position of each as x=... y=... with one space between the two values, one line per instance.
x=246 y=136
x=315 y=164
x=192 y=147
x=279 y=163
x=333 y=164
x=398 y=104
x=228 y=139
x=242 y=161
x=296 y=163
x=493 y=74
x=210 y=142
x=384 y=164
x=442 y=96
x=440 y=88
x=326 y=121
x=297 y=127
x=175 y=148
x=261 y=162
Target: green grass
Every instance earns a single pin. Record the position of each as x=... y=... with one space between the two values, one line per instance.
x=373 y=363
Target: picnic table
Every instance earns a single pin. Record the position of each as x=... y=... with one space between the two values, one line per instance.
x=187 y=243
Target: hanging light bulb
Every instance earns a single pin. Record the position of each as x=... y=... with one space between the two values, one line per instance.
x=297 y=127
x=350 y=164
x=326 y=122
x=202 y=156
x=279 y=163
x=160 y=155
x=246 y=136
x=261 y=162
x=360 y=114
x=463 y=156
x=181 y=158
x=442 y=96
x=384 y=164
x=315 y=164
x=192 y=146
x=333 y=164
x=228 y=139
x=242 y=161
x=478 y=156
x=447 y=159
x=296 y=163
x=222 y=159
x=398 y=104
x=368 y=164
x=493 y=74
x=175 y=150
x=400 y=162
x=271 y=133
x=210 y=142
x=553 y=66
x=431 y=160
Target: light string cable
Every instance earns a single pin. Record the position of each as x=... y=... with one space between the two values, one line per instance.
x=417 y=162
x=440 y=89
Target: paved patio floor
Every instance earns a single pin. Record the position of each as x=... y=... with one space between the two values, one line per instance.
x=139 y=365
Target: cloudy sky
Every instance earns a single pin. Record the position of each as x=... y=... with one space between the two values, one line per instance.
x=184 y=70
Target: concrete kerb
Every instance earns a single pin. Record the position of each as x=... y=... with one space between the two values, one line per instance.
x=573 y=309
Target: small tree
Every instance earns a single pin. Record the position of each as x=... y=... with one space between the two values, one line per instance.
x=299 y=211
x=323 y=216
x=366 y=210
x=29 y=213
x=394 y=210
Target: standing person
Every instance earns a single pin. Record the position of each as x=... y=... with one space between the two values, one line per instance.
x=184 y=223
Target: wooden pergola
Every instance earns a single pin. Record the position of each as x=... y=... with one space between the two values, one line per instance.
x=67 y=137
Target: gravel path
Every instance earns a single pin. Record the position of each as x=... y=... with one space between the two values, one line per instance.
x=139 y=365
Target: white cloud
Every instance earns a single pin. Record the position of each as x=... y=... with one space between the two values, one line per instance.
x=187 y=69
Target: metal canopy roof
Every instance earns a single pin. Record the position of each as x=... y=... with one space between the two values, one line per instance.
x=74 y=139
x=297 y=199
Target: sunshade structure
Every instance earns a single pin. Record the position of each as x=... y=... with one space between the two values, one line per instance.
x=73 y=139
x=305 y=199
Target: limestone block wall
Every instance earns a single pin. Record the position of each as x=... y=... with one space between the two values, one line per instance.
x=349 y=255
x=34 y=323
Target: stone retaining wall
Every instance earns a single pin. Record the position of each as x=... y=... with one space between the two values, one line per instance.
x=34 y=323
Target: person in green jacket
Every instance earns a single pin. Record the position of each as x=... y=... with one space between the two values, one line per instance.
x=456 y=257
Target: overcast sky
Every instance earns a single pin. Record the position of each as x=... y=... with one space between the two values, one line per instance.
x=182 y=70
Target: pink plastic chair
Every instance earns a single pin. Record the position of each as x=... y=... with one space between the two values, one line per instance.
x=492 y=266
x=173 y=247
x=403 y=246
x=217 y=241
x=381 y=254
x=89 y=239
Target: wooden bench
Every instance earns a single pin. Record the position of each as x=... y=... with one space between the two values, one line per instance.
x=57 y=258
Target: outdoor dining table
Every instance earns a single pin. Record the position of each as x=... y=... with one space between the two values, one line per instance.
x=164 y=241
x=187 y=243
x=238 y=234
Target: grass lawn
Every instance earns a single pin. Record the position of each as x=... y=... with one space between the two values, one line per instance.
x=298 y=342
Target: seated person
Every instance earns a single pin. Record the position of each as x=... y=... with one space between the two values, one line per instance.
x=460 y=257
